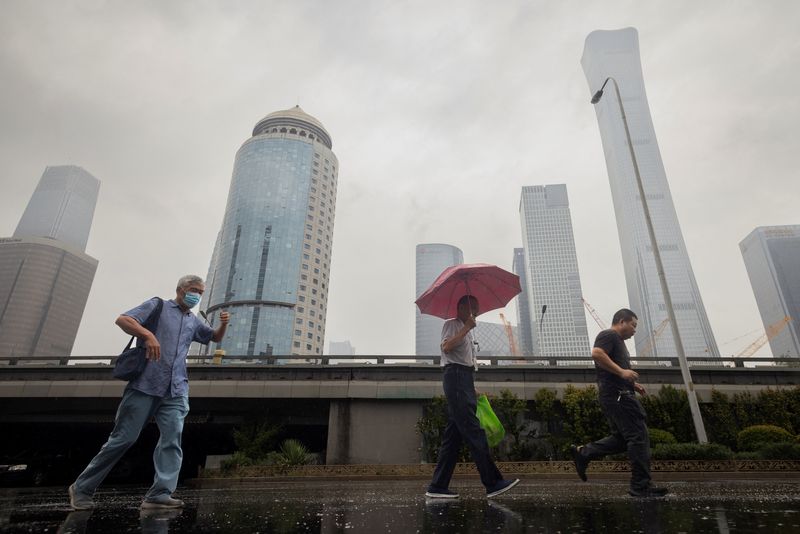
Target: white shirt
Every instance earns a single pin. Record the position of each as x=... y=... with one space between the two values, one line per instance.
x=464 y=352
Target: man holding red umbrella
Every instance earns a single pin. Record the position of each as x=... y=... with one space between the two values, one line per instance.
x=460 y=363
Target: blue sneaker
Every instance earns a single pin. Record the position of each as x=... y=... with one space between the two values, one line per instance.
x=436 y=493
x=501 y=487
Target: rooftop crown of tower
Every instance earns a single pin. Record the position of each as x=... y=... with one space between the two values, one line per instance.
x=295 y=119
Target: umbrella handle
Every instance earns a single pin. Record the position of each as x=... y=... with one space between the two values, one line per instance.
x=469 y=296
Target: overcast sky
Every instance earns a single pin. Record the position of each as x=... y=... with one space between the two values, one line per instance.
x=439 y=113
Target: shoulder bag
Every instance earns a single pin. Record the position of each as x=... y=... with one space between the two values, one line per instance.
x=131 y=363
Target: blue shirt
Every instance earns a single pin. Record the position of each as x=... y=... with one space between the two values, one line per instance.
x=177 y=329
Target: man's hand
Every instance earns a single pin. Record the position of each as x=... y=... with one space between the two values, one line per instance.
x=470 y=322
x=639 y=389
x=219 y=333
x=629 y=374
x=153 y=348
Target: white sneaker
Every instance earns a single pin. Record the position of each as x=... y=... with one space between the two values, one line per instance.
x=79 y=502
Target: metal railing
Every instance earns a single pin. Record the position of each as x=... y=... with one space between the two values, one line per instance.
x=400 y=360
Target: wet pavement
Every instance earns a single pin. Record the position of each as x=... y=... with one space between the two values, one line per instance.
x=399 y=506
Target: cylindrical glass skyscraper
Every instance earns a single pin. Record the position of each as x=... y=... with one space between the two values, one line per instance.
x=432 y=259
x=271 y=263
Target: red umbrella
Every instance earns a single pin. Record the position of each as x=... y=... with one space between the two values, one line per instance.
x=491 y=285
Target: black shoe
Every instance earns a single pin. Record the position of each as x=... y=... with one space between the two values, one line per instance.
x=581 y=463
x=650 y=491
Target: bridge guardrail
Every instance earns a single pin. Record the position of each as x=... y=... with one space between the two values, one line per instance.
x=394 y=360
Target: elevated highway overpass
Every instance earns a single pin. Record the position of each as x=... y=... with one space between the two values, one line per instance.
x=364 y=412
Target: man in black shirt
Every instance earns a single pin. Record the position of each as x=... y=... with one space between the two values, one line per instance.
x=617 y=386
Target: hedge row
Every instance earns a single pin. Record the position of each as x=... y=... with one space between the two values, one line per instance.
x=544 y=428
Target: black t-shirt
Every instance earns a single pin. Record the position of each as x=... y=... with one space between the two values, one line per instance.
x=613 y=345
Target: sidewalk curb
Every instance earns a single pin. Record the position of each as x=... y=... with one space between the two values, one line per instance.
x=673 y=470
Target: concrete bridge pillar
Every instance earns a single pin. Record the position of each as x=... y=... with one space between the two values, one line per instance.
x=374 y=431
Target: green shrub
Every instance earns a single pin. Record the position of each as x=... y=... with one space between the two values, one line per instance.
x=660 y=437
x=256 y=438
x=752 y=437
x=431 y=427
x=238 y=459
x=746 y=455
x=692 y=451
x=294 y=453
x=545 y=407
x=584 y=421
x=669 y=410
x=779 y=451
x=510 y=410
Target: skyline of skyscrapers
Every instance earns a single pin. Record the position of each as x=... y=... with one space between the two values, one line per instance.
x=551 y=272
x=771 y=256
x=431 y=260
x=45 y=273
x=271 y=263
x=616 y=54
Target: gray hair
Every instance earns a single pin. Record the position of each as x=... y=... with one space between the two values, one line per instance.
x=189 y=279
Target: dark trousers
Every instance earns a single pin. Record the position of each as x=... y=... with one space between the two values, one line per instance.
x=462 y=426
x=627 y=419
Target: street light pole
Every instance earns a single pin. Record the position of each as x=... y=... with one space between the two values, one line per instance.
x=694 y=407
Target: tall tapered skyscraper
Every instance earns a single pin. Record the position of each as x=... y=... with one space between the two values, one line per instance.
x=271 y=262
x=772 y=258
x=62 y=206
x=525 y=337
x=551 y=272
x=616 y=54
x=432 y=259
x=45 y=274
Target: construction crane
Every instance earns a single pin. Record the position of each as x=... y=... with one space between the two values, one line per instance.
x=512 y=345
x=772 y=330
x=594 y=315
x=651 y=341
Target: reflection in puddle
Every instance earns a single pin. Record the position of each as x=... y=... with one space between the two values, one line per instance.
x=399 y=506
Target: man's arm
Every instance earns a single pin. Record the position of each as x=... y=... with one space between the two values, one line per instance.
x=449 y=343
x=131 y=326
x=605 y=362
x=219 y=333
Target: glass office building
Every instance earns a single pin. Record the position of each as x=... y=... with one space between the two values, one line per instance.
x=271 y=263
x=551 y=271
x=432 y=259
x=492 y=339
x=62 y=206
x=616 y=54
x=772 y=258
x=45 y=274
x=525 y=337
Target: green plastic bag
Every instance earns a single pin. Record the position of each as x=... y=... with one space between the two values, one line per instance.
x=489 y=422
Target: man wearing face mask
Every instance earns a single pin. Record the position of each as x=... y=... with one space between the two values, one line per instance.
x=161 y=391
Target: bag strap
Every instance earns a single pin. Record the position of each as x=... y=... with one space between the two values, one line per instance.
x=151 y=323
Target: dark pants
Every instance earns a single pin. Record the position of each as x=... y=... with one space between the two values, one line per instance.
x=462 y=426
x=627 y=419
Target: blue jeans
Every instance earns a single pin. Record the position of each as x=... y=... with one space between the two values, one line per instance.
x=462 y=426
x=628 y=422
x=135 y=410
